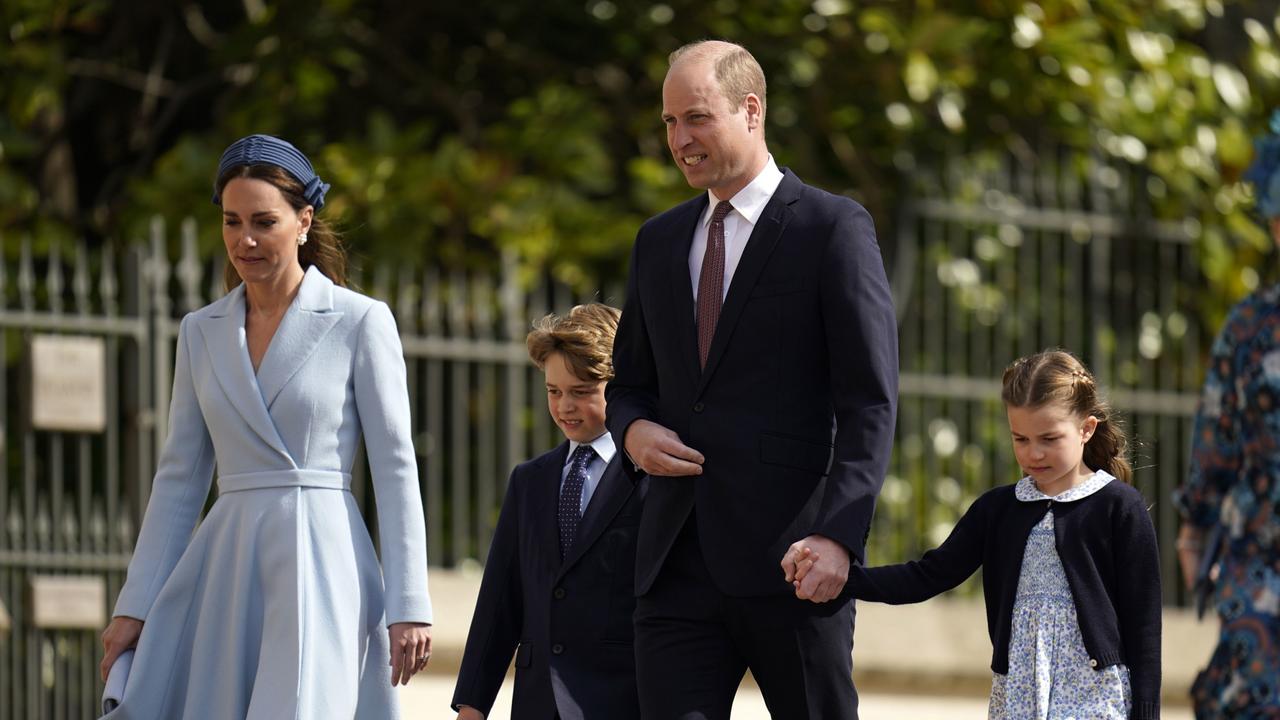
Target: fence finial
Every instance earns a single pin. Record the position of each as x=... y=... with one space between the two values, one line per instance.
x=80 y=285
x=189 y=267
x=26 y=277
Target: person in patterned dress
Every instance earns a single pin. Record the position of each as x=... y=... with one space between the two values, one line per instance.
x=1234 y=483
x=1070 y=564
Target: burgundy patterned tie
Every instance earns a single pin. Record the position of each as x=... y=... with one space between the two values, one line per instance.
x=711 y=282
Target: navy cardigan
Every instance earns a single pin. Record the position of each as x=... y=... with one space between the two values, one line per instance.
x=1108 y=549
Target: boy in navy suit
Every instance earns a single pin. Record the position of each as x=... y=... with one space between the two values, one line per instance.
x=558 y=587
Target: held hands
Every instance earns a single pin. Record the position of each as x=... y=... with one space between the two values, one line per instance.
x=466 y=712
x=119 y=636
x=817 y=567
x=410 y=650
x=659 y=451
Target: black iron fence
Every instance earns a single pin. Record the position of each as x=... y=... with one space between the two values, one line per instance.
x=998 y=259
x=994 y=260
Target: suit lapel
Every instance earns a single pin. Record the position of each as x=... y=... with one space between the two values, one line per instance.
x=226 y=343
x=303 y=326
x=547 y=510
x=764 y=238
x=610 y=495
x=682 y=288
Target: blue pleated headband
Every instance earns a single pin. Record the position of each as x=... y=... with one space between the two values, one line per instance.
x=268 y=150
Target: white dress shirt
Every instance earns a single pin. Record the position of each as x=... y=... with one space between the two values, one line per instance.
x=605 y=450
x=748 y=205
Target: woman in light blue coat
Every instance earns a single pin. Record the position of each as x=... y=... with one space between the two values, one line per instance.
x=276 y=606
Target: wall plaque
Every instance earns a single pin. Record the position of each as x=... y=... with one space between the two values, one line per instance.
x=68 y=383
x=68 y=601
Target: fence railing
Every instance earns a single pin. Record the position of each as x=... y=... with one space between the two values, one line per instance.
x=994 y=260
x=70 y=503
x=998 y=259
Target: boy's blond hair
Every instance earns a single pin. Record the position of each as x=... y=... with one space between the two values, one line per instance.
x=584 y=336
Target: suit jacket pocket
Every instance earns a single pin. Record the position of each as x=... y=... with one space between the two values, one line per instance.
x=795 y=453
x=627 y=518
x=524 y=655
x=771 y=289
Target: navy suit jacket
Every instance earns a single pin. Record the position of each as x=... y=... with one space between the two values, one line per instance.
x=568 y=623
x=796 y=406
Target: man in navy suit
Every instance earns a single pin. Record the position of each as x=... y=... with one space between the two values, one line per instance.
x=558 y=586
x=756 y=383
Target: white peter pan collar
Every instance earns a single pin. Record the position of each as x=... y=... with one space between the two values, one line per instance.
x=1027 y=491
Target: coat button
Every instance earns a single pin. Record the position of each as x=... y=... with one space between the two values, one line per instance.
x=1093 y=663
x=697 y=407
x=558 y=594
x=557 y=649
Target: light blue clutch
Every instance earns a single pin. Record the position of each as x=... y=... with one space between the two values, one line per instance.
x=116 y=679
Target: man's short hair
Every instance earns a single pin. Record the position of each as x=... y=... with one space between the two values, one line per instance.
x=584 y=336
x=736 y=69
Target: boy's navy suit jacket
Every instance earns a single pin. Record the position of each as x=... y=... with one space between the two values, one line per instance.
x=568 y=623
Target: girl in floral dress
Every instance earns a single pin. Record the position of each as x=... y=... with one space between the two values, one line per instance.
x=1070 y=565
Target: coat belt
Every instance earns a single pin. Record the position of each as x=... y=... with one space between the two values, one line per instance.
x=327 y=479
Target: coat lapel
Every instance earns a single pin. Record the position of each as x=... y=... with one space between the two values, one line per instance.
x=547 y=510
x=303 y=326
x=610 y=495
x=226 y=343
x=763 y=240
x=682 y=289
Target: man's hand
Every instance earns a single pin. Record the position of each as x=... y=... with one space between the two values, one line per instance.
x=466 y=712
x=410 y=650
x=658 y=451
x=817 y=567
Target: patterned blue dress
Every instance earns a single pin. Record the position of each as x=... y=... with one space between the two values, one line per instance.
x=1235 y=481
x=1049 y=673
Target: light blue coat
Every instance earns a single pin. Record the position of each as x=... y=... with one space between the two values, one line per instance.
x=276 y=608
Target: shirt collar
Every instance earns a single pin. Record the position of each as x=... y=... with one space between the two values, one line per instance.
x=750 y=200
x=1027 y=491
x=603 y=446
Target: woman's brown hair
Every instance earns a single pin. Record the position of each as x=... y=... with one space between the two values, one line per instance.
x=1057 y=377
x=324 y=246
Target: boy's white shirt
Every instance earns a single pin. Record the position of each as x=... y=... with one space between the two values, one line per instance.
x=605 y=450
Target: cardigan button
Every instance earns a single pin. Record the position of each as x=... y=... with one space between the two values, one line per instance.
x=557 y=649
x=1093 y=663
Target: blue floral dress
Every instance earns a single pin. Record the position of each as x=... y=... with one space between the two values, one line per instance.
x=1235 y=481
x=1049 y=673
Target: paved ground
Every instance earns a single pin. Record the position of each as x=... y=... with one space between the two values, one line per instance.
x=949 y=638
x=427 y=698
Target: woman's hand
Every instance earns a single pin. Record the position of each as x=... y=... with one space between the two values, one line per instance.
x=119 y=636
x=410 y=650
x=1190 y=545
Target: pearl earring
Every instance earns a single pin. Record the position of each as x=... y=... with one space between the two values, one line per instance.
x=302 y=239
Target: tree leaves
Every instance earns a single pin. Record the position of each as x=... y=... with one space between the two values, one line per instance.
x=453 y=131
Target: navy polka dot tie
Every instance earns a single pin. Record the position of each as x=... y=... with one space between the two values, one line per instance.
x=571 y=497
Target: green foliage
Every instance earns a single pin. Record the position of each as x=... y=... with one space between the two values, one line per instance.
x=451 y=131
